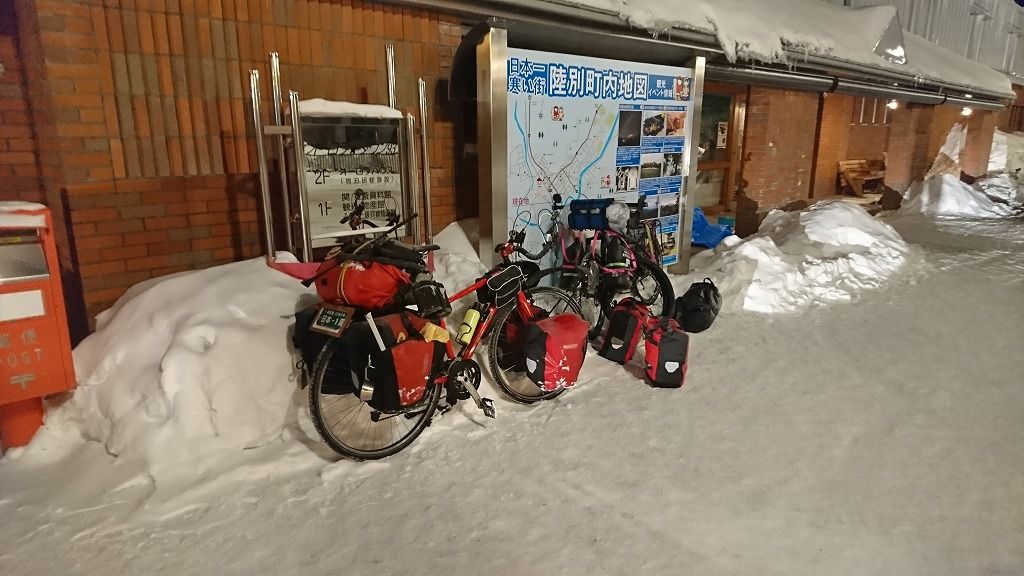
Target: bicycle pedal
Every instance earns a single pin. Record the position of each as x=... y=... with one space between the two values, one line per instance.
x=487 y=405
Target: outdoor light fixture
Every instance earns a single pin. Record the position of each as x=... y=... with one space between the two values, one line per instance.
x=966 y=111
x=892 y=104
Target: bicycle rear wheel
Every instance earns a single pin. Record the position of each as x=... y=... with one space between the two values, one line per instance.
x=352 y=427
x=505 y=357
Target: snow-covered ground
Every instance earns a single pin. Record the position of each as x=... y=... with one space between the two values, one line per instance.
x=881 y=435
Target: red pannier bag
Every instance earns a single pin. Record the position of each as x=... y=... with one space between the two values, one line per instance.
x=398 y=376
x=364 y=285
x=622 y=333
x=666 y=351
x=554 y=349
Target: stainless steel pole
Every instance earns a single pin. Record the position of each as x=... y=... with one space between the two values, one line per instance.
x=389 y=52
x=425 y=156
x=299 y=149
x=261 y=156
x=410 y=147
x=275 y=91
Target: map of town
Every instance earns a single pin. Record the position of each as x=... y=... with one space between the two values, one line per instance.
x=557 y=145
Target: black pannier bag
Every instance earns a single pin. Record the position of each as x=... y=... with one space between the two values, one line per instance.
x=697 y=309
x=665 y=350
x=623 y=330
x=396 y=377
x=510 y=344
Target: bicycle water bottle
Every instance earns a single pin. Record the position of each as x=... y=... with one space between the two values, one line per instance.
x=468 y=326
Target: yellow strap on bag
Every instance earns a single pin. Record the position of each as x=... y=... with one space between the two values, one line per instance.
x=433 y=333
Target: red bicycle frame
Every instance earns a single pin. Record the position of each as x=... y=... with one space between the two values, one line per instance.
x=522 y=305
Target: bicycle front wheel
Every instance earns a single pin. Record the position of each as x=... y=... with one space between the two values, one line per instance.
x=352 y=427
x=504 y=353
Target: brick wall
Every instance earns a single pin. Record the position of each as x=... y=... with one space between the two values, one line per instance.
x=867 y=142
x=1011 y=118
x=779 y=145
x=833 y=142
x=142 y=112
x=19 y=171
x=138 y=229
x=981 y=126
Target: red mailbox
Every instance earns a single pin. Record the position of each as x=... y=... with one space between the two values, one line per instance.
x=35 y=349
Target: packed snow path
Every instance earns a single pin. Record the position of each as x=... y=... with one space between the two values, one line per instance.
x=883 y=436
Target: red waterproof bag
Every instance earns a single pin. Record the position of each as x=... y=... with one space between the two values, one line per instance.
x=666 y=351
x=399 y=374
x=554 y=349
x=622 y=333
x=363 y=285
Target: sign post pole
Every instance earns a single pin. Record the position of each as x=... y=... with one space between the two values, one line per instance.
x=492 y=123
x=688 y=200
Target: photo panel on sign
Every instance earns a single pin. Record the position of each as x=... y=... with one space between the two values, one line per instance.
x=673 y=165
x=654 y=123
x=630 y=122
x=675 y=123
x=627 y=178
x=651 y=165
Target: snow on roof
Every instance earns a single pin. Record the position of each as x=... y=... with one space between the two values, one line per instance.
x=318 y=107
x=761 y=30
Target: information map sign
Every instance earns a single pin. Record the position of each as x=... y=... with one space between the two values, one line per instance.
x=595 y=128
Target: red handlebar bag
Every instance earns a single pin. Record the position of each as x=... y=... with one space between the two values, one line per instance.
x=554 y=349
x=364 y=285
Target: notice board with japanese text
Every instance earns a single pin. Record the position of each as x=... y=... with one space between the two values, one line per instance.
x=595 y=128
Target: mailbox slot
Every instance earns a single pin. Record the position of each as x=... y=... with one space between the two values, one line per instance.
x=21 y=257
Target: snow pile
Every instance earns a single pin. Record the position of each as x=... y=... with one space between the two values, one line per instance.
x=947 y=161
x=945 y=195
x=762 y=31
x=997 y=156
x=1002 y=188
x=456 y=264
x=19 y=214
x=1014 y=150
x=1003 y=182
x=187 y=366
x=319 y=108
x=827 y=252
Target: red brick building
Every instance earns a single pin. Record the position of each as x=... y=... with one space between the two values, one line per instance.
x=129 y=118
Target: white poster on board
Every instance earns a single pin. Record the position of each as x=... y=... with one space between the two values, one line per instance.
x=339 y=178
x=594 y=128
